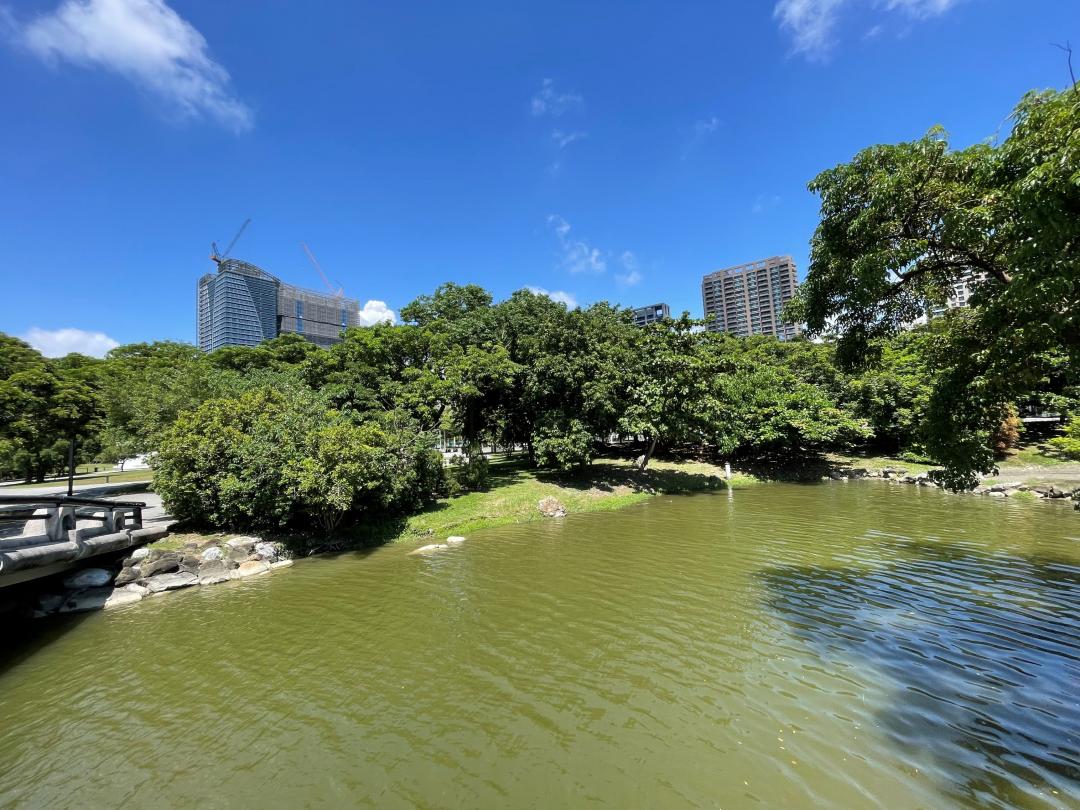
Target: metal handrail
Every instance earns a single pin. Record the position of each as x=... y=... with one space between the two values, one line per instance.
x=61 y=500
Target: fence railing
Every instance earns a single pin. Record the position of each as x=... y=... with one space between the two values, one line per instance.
x=43 y=530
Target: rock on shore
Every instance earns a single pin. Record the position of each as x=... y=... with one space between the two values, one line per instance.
x=551 y=507
x=996 y=490
x=149 y=571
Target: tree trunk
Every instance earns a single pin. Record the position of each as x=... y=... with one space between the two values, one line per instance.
x=643 y=460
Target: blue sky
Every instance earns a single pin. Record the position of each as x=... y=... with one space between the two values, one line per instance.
x=597 y=151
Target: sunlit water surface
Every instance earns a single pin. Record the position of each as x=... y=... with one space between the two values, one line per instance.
x=841 y=645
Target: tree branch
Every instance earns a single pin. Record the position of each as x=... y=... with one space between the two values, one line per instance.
x=1067 y=48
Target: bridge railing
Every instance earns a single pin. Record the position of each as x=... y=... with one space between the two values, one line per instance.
x=61 y=529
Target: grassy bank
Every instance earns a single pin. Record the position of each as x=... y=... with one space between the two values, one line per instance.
x=129 y=476
x=512 y=497
x=516 y=489
x=1029 y=464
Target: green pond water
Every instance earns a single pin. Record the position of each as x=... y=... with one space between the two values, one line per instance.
x=838 y=645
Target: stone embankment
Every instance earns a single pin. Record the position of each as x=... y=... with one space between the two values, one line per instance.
x=150 y=572
x=997 y=490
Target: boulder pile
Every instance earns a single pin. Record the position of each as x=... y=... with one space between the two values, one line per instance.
x=147 y=572
x=997 y=490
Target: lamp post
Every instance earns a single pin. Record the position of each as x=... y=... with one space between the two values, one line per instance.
x=71 y=466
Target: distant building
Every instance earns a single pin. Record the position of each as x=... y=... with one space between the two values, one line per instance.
x=957 y=298
x=749 y=299
x=643 y=316
x=243 y=305
x=960 y=295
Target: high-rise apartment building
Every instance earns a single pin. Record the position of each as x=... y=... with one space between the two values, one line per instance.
x=243 y=305
x=957 y=298
x=749 y=299
x=643 y=316
x=961 y=293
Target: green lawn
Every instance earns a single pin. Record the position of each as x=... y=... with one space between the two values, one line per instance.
x=104 y=478
x=1030 y=464
x=872 y=462
x=93 y=466
x=1033 y=455
x=516 y=489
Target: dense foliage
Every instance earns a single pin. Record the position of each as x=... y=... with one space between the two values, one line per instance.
x=287 y=432
x=902 y=223
x=1069 y=444
x=268 y=457
x=44 y=406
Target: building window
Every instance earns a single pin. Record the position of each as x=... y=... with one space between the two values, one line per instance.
x=344 y=318
x=299 y=316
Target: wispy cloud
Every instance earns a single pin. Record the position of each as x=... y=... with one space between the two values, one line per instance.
x=812 y=23
x=60 y=342
x=576 y=255
x=147 y=43
x=377 y=312
x=631 y=275
x=706 y=127
x=549 y=101
x=564 y=139
x=702 y=130
x=559 y=296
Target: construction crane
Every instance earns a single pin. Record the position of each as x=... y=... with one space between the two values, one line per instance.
x=339 y=292
x=220 y=257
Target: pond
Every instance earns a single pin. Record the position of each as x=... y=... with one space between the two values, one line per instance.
x=853 y=644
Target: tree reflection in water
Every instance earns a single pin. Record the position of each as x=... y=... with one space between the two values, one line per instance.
x=982 y=651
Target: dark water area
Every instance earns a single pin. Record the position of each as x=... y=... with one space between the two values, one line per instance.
x=852 y=644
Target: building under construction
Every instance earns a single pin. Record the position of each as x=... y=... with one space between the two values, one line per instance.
x=243 y=305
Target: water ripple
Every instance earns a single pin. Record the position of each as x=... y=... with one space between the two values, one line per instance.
x=854 y=645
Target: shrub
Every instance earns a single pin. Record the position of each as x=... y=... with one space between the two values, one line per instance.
x=473 y=470
x=268 y=459
x=563 y=446
x=1069 y=444
x=1007 y=435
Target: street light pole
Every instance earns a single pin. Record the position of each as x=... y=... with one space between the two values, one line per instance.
x=71 y=466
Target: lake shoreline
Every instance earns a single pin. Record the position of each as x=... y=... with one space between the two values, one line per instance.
x=518 y=494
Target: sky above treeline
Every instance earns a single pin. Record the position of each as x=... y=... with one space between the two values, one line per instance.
x=600 y=151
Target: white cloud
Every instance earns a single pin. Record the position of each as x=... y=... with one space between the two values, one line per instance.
x=59 y=342
x=576 y=255
x=564 y=139
x=811 y=23
x=146 y=42
x=632 y=274
x=559 y=296
x=549 y=101
x=377 y=312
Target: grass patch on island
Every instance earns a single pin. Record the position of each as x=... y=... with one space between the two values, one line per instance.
x=516 y=489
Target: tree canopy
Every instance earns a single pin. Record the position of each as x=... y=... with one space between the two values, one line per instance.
x=901 y=224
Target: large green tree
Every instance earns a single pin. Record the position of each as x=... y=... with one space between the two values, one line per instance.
x=902 y=223
x=44 y=406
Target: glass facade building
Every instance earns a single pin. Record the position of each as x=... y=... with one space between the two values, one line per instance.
x=643 y=316
x=243 y=305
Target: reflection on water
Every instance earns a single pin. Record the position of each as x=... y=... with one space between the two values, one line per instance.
x=981 y=652
x=845 y=645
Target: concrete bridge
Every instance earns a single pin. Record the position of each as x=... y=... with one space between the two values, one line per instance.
x=41 y=535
